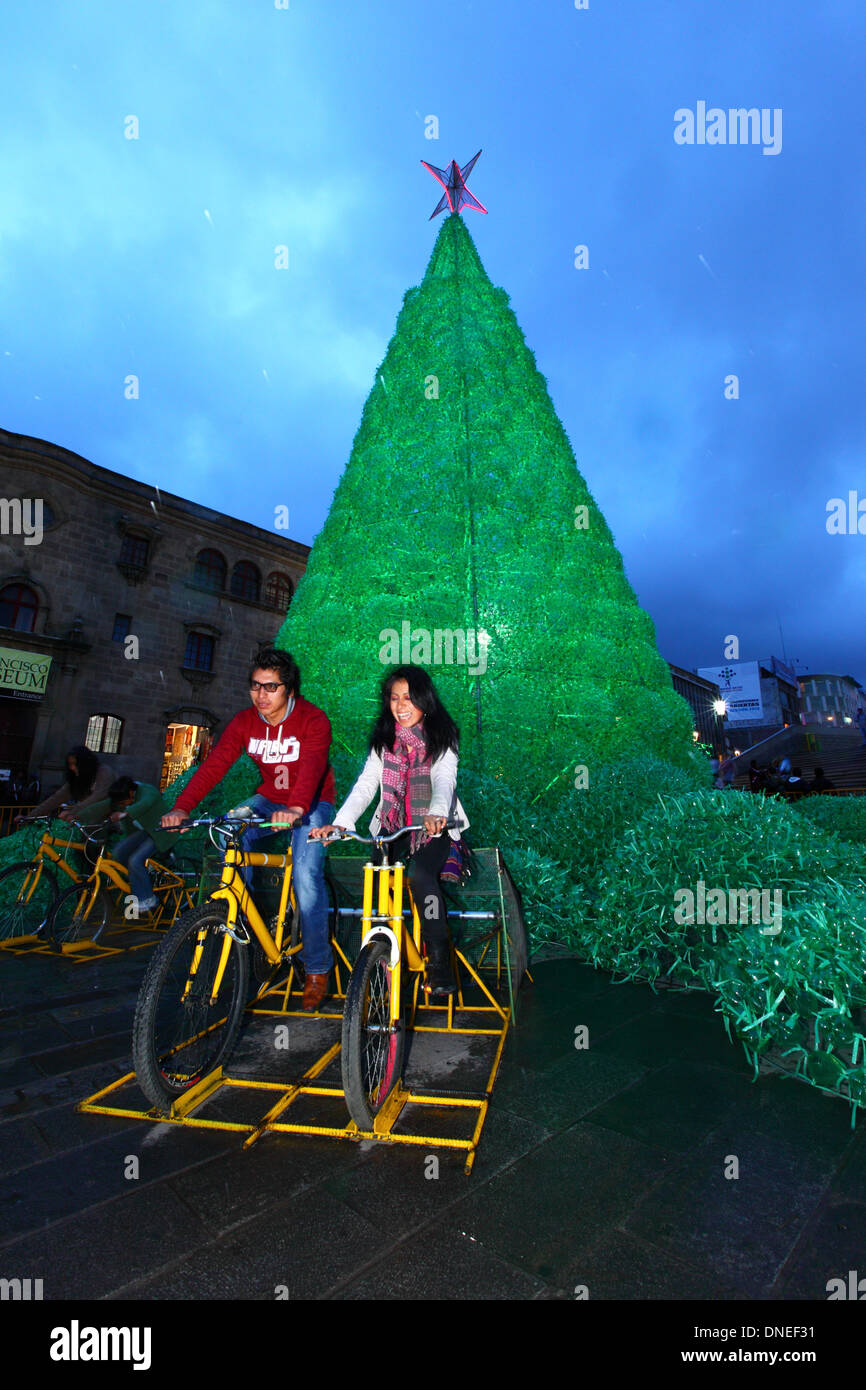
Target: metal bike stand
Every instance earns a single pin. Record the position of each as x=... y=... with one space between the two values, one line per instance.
x=177 y=899
x=473 y=1011
x=312 y=1086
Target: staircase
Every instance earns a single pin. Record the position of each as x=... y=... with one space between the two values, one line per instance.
x=841 y=753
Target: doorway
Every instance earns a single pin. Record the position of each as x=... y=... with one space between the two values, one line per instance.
x=186 y=745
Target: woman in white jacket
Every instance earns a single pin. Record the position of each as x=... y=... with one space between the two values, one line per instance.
x=412 y=764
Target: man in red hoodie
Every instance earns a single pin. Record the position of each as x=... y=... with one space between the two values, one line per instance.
x=289 y=739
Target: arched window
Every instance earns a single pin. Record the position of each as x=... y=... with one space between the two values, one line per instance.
x=246 y=581
x=210 y=570
x=19 y=605
x=103 y=733
x=198 y=655
x=278 y=591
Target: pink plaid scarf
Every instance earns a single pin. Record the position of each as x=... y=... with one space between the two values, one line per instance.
x=406 y=786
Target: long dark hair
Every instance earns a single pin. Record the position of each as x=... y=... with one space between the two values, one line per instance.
x=440 y=731
x=81 y=782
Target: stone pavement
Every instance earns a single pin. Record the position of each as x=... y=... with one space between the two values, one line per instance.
x=601 y=1168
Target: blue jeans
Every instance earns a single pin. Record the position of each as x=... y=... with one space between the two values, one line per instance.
x=308 y=877
x=132 y=851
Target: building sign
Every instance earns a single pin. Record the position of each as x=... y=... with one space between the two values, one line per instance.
x=23 y=675
x=784 y=671
x=740 y=687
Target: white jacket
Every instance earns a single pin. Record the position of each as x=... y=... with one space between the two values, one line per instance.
x=443 y=780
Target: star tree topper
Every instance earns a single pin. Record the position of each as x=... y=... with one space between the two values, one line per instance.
x=453 y=180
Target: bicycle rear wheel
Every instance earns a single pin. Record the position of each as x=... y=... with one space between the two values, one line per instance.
x=27 y=893
x=81 y=913
x=182 y=1030
x=514 y=927
x=372 y=1051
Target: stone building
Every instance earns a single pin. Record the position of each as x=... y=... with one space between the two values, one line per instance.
x=127 y=616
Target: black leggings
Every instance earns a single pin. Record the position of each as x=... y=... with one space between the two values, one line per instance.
x=424 y=868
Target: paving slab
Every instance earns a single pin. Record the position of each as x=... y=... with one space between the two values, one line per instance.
x=601 y=1166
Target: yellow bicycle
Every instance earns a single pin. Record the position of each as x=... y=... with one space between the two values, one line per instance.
x=84 y=910
x=378 y=995
x=29 y=888
x=194 y=994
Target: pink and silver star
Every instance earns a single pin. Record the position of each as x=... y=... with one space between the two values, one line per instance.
x=453 y=180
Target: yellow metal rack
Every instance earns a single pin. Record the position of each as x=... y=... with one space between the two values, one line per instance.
x=455 y=1017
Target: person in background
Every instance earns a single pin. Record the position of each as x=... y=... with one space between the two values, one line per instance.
x=860 y=721
x=136 y=808
x=87 y=782
x=755 y=777
x=728 y=772
x=820 y=783
x=790 y=786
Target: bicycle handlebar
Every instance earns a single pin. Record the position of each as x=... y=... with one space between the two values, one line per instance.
x=233 y=821
x=381 y=839
x=86 y=830
x=47 y=820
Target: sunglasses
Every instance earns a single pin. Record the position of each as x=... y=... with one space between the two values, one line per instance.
x=270 y=686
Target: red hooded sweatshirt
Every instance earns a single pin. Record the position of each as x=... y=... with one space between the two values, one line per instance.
x=292 y=758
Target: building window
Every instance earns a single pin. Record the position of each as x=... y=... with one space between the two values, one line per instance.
x=246 y=581
x=199 y=652
x=103 y=733
x=122 y=624
x=278 y=591
x=134 y=550
x=210 y=571
x=19 y=605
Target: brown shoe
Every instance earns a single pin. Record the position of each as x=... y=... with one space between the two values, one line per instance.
x=315 y=989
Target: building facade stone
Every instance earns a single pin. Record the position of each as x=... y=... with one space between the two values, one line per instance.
x=150 y=607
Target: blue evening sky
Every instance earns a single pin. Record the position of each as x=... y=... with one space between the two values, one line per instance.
x=305 y=125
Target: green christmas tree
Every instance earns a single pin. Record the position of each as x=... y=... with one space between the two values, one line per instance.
x=462 y=538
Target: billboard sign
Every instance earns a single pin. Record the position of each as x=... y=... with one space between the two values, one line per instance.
x=739 y=685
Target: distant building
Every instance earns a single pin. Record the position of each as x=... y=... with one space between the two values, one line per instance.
x=127 y=617
x=702 y=694
x=761 y=698
x=830 y=699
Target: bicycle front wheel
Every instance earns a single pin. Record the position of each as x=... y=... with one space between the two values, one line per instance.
x=190 y=1007
x=27 y=893
x=81 y=913
x=372 y=1051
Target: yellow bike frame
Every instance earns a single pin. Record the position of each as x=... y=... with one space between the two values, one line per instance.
x=118 y=875
x=390 y=913
x=45 y=850
x=234 y=892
